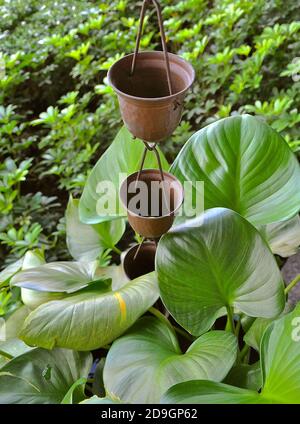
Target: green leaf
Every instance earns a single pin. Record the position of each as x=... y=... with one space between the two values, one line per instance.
x=280 y=358
x=122 y=157
x=92 y=317
x=144 y=363
x=208 y=392
x=223 y=261
x=246 y=166
x=42 y=376
x=100 y=401
x=13 y=348
x=62 y=277
x=284 y=237
x=10 y=271
x=254 y=334
x=30 y=259
x=256 y=331
x=15 y=321
x=245 y=376
x=86 y=242
x=280 y=364
x=68 y=399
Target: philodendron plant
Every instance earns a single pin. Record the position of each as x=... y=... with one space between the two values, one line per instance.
x=223 y=330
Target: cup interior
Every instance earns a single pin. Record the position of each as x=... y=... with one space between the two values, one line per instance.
x=150 y=196
x=150 y=79
x=143 y=263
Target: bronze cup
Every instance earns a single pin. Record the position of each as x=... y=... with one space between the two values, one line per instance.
x=139 y=263
x=148 y=110
x=151 y=203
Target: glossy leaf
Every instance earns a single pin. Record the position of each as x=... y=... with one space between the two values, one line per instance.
x=92 y=317
x=13 y=348
x=64 y=277
x=256 y=331
x=245 y=376
x=42 y=376
x=144 y=363
x=10 y=271
x=280 y=363
x=86 y=242
x=122 y=157
x=209 y=392
x=284 y=237
x=246 y=166
x=68 y=398
x=280 y=358
x=30 y=259
x=203 y=267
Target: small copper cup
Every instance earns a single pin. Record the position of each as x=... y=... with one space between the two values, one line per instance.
x=147 y=108
x=151 y=203
x=139 y=260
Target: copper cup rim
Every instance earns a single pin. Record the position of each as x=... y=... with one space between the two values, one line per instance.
x=149 y=171
x=152 y=99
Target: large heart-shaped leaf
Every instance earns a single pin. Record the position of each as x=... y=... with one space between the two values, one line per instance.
x=66 y=277
x=246 y=166
x=42 y=376
x=143 y=364
x=280 y=363
x=92 y=317
x=122 y=157
x=86 y=242
x=203 y=267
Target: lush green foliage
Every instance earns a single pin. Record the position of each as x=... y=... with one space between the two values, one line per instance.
x=215 y=265
x=225 y=321
x=57 y=114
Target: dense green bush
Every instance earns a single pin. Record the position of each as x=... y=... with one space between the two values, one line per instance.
x=77 y=328
x=57 y=113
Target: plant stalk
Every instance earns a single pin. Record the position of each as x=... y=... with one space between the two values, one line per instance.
x=116 y=250
x=230 y=322
x=238 y=327
x=164 y=319
x=292 y=284
x=244 y=352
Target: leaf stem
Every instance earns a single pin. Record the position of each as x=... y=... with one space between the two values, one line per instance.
x=230 y=322
x=244 y=352
x=161 y=317
x=165 y=320
x=183 y=334
x=115 y=249
x=6 y=355
x=292 y=284
x=238 y=327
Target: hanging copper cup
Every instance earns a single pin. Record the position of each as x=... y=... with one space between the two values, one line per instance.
x=139 y=260
x=152 y=198
x=151 y=87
